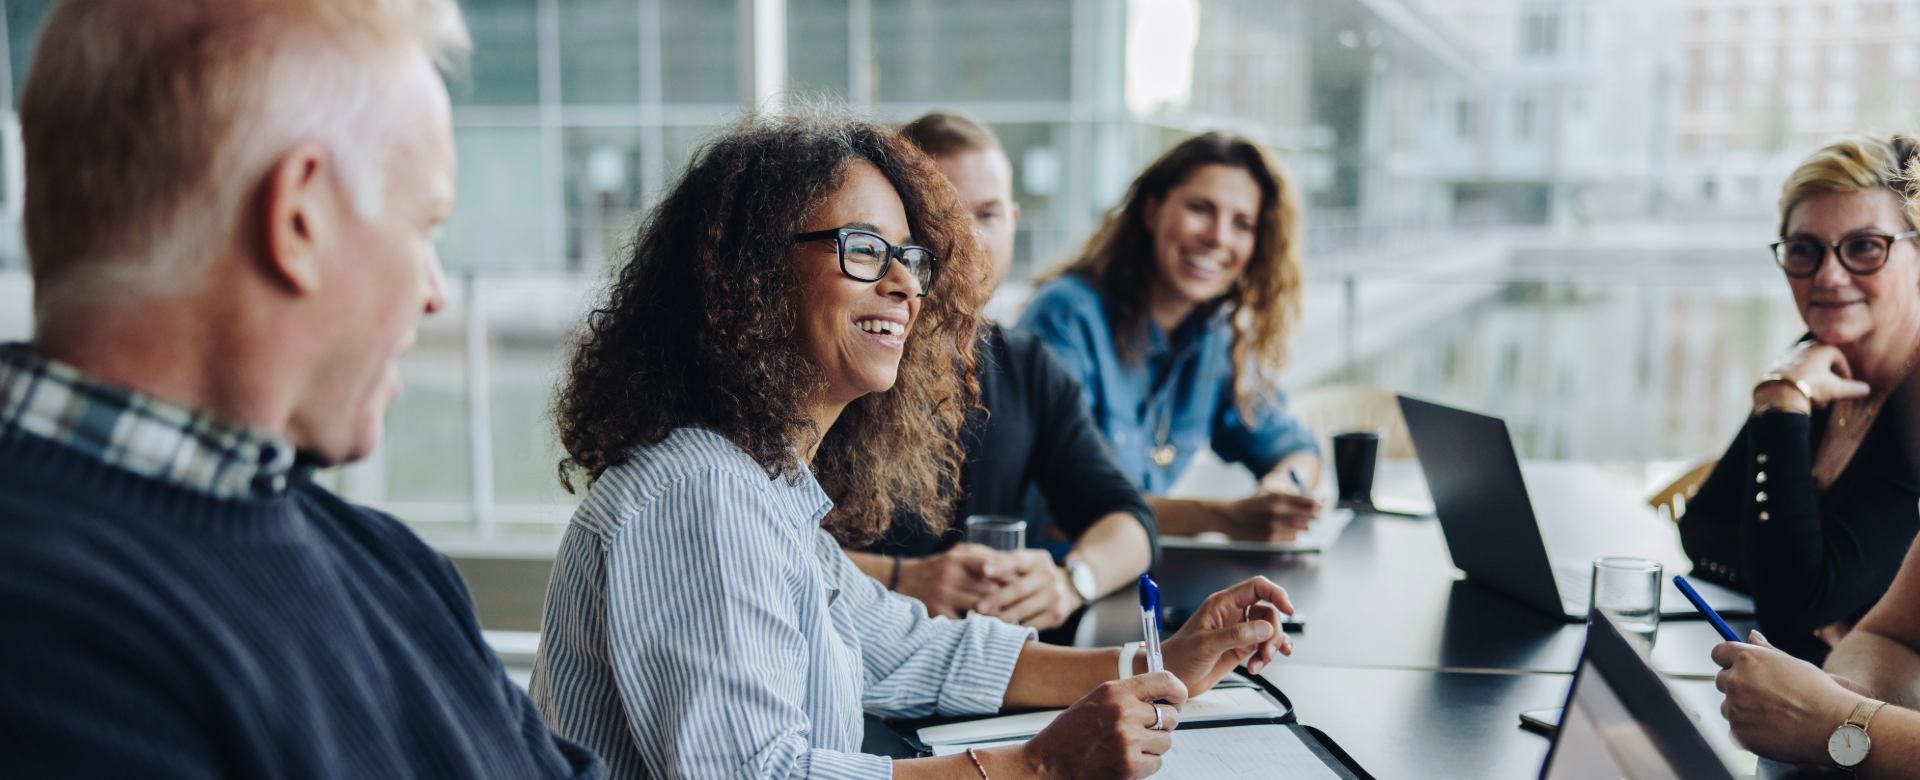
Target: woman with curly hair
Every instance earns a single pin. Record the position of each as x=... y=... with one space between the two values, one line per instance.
x=1175 y=320
x=783 y=340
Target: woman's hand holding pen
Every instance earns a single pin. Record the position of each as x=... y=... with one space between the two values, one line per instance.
x=1108 y=733
x=1780 y=706
x=1238 y=625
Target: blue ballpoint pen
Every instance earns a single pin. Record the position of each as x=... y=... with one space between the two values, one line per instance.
x=1701 y=604
x=1295 y=476
x=1150 y=621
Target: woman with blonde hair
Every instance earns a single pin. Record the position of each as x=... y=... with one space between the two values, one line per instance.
x=1175 y=319
x=783 y=343
x=1811 y=508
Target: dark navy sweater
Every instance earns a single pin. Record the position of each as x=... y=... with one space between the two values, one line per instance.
x=150 y=631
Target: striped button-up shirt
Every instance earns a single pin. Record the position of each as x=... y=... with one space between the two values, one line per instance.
x=139 y=433
x=700 y=624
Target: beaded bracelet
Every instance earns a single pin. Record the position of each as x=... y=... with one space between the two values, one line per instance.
x=976 y=764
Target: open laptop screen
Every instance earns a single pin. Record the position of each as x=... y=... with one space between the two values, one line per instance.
x=1622 y=722
x=1598 y=738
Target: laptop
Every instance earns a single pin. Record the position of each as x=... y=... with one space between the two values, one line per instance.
x=1493 y=534
x=1622 y=722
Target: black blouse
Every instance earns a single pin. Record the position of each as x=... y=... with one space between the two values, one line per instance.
x=1034 y=431
x=1759 y=524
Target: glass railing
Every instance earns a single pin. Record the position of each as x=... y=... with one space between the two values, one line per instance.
x=1631 y=344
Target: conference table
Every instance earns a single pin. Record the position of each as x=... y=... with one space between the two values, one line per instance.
x=1417 y=672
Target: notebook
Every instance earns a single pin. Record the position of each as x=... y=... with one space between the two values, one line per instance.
x=1242 y=729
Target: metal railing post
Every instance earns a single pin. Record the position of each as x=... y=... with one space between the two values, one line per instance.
x=1349 y=334
x=479 y=413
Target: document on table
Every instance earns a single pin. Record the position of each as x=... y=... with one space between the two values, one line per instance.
x=1319 y=536
x=1233 y=752
x=1216 y=704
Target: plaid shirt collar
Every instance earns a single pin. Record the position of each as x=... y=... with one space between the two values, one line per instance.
x=125 y=429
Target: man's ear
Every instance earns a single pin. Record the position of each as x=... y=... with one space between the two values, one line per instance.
x=300 y=204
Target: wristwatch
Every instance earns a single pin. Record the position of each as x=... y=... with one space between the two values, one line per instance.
x=1082 y=577
x=1849 y=744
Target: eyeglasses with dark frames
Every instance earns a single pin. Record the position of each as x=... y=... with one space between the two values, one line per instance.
x=865 y=256
x=1802 y=256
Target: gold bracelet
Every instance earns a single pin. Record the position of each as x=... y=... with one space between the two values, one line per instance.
x=1798 y=384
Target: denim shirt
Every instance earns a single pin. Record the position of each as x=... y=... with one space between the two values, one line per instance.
x=1180 y=394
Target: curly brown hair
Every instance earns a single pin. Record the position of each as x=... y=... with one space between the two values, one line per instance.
x=697 y=328
x=1119 y=261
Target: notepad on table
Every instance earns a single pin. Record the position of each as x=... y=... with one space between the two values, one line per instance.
x=1216 y=704
x=1232 y=752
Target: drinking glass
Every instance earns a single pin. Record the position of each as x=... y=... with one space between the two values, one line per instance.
x=1628 y=590
x=1000 y=532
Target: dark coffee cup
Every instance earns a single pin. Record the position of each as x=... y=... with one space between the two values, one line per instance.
x=1354 y=457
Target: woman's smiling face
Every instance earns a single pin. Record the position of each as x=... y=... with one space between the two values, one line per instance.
x=1841 y=307
x=856 y=331
x=1203 y=233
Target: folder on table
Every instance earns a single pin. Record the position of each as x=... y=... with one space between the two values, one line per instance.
x=1243 y=728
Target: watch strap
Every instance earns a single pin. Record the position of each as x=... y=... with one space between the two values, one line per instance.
x=1127 y=652
x=1863 y=713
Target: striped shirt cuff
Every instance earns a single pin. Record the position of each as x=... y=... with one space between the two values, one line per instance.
x=983 y=665
x=835 y=765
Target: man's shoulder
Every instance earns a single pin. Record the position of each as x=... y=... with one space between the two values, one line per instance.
x=370 y=529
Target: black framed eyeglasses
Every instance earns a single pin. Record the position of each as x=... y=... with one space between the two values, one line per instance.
x=865 y=256
x=1862 y=255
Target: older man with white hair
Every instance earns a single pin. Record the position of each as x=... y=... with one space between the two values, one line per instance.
x=228 y=211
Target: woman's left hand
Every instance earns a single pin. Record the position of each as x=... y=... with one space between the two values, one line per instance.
x=1238 y=625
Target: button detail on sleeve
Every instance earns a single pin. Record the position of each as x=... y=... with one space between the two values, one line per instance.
x=1760 y=497
x=1764 y=517
x=1760 y=478
x=1761 y=459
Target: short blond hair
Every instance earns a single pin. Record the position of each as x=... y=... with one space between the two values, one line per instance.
x=144 y=120
x=946 y=133
x=1850 y=165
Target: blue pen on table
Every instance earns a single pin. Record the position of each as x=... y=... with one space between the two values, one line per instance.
x=1701 y=604
x=1150 y=621
x=1295 y=476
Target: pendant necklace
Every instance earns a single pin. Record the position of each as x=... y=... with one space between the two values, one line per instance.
x=1162 y=452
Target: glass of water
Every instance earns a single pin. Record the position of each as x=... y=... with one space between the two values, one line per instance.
x=1000 y=532
x=1628 y=590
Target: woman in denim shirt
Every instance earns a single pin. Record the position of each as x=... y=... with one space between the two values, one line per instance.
x=1195 y=277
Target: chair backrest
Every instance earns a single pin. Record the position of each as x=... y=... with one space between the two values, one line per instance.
x=1671 y=501
x=1331 y=409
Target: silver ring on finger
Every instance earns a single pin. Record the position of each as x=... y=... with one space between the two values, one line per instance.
x=1159 y=719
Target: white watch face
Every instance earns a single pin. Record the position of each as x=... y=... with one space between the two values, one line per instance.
x=1848 y=746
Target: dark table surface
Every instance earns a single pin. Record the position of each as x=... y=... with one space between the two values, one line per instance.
x=1411 y=723
x=1415 y=671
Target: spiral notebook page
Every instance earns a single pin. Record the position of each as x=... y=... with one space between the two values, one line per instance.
x=1229 y=753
